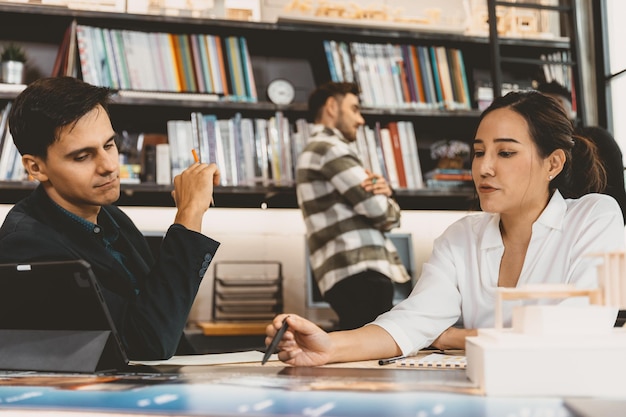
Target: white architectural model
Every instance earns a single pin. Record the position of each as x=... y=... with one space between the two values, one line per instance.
x=556 y=350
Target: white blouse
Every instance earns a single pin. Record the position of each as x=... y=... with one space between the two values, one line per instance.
x=459 y=281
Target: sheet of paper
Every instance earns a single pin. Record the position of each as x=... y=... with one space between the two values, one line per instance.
x=209 y=359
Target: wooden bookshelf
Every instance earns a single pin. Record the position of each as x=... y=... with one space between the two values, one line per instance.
x=283 y=49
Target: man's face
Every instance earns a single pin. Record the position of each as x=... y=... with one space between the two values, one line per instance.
x=81 y=171
x=349 y=116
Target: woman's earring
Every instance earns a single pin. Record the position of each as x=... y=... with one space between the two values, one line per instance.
x=550 y=178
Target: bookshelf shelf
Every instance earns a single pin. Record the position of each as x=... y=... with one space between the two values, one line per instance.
x=288 y=48
x=252 y=197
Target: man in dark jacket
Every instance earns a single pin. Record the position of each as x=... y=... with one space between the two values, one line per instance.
x=62 y=129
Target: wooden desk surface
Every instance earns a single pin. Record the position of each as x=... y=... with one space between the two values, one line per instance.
x=240 y=328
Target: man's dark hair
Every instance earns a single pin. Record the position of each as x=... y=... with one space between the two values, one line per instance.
x=46 y=106
x=318 y=97
x=555 y=88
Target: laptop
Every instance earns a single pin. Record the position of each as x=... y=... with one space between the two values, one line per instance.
x=53 y=317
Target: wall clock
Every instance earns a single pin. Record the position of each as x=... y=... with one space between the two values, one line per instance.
x=281 y=91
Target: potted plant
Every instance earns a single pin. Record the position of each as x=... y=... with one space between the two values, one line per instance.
x=12 y=61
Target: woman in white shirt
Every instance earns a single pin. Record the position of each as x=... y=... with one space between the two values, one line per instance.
x=536 y=183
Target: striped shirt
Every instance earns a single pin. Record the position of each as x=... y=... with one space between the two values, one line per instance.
x=345 y=224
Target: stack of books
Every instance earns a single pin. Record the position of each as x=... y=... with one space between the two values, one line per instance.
x=450 y=179
x=247 y=290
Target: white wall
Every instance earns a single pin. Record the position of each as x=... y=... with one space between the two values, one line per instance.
x=278 y=234
x=275 y=234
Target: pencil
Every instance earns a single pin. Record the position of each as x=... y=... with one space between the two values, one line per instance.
x=196 y=159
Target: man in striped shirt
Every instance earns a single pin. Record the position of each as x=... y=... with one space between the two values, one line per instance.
x=347 y=210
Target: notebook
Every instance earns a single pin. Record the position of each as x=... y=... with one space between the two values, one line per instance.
x=435 y=360
x=53 y=313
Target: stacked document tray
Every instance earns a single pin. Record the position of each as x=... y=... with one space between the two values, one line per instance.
x=247 y=290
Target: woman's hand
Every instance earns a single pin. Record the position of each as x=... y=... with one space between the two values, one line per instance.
x=376 y=184
x=303 y=344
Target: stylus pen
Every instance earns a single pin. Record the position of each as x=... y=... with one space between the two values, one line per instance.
x=275 y=340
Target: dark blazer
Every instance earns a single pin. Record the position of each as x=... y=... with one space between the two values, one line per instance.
x=151 y=323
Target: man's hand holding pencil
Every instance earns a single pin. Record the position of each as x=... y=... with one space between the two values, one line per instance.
x=193 y=193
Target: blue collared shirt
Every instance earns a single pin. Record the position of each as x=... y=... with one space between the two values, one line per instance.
x=107 y=231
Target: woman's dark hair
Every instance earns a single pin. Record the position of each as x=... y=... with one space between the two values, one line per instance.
x=318 y=97
x=551 y=129
x=47 y=105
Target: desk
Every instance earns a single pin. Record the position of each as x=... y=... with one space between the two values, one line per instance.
x=277 y=390
x=252 y=328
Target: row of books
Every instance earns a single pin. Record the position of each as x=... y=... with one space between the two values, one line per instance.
x=391 y=151
x=11 y=168
x=154 y=61
x=249 y=151
x=401 y=76
x=264 y=151
x=450 y=179
x=557 y=69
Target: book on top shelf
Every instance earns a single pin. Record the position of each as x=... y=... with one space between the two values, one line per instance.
x=198 y=64
x=205 y=62
x=248 y=74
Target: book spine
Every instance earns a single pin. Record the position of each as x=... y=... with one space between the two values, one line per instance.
x=61 y=57
x=187 y=63
x=149 y=170
x=205 y=66
x=178 y=82
x=163 y=167
x=120 y=58
x=346 y=59
x=414 y=155
x=262 y=150
x=222 y=65
x=102 y=63
x=427 y=77
x=85 y=55
x=408 y=73
x=397 y=153
x=362 y=75
x=436 y=74
x=444 y=77
x=196 y=59
x=331 y=61
x=113 y=65
x=234 y=67
x=248 y=74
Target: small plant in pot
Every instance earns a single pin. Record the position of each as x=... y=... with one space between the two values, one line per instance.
x=12 y=61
